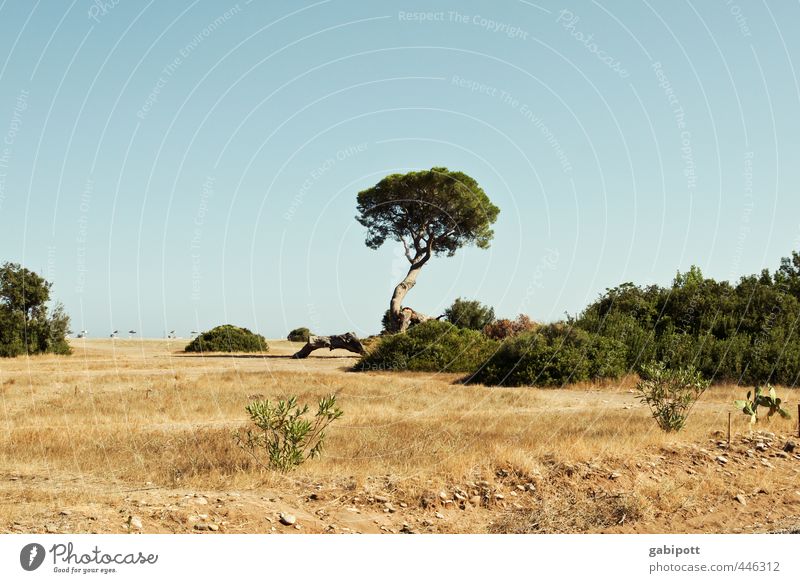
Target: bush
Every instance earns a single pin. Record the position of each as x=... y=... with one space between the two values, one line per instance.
x=504 y=328
x=469 y=314
x=299 y=335
x=432 y=346
x=228 y=338
x=281 y=437
x=670 y=393
x=552 y=355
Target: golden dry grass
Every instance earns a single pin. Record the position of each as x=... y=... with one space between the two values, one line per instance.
x=138 y=412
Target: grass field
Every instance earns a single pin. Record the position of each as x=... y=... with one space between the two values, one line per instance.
x=129 y=431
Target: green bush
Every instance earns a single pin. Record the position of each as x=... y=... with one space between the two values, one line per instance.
x=469 y=314
x=299 y=335
x=281 y=437
x=432 y=346
x=228 y=338
x=552 y=355
x=670 y=393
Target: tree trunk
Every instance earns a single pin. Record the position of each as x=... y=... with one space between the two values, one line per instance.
x=405 y=316
x=348 y=341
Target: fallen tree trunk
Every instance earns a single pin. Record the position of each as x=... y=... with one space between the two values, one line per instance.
x=348 y=341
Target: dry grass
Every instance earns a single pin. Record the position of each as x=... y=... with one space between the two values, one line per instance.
x=139 y=411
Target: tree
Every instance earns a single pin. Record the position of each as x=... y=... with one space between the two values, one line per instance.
x=26 y=325
x=469 y=314
x=431 y=212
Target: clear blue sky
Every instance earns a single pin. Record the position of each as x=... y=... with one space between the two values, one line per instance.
x=185 y=164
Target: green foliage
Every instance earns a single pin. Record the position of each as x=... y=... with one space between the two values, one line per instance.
x=281 y=436
x=388 y=324
x=770 y=400
x=433 y=212
x=432 y=346
x=469 y=314
x=26 y=324
x=670 y=393
x=747 y=332
x=553 y=355
x=504 y=328
x=228 y=338
x=299 y=335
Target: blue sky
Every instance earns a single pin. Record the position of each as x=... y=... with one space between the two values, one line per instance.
x=185 y=164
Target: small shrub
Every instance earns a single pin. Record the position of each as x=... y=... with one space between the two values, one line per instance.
x=281 y=436
x=670 y=393
x=771 y=401
x=432 y=346
x=553 y=355
x=504 y=328
x=228 y=338
x=299 y=335
x=469 y=314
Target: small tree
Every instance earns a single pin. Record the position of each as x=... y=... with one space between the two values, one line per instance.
x=670 y=393
x=26 y=324
x=432 y=212
x=281 y=437
x=469 y=314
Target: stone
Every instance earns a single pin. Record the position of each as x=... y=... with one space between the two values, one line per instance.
x=789 y=446
x=381 y=499
x=761 y=446
x=287 y=519
x=439 y=515
x=201 y=526
x=475 y=500
x=65 y=512
x=443 y=495
x=721 y=459
x=614 y=476
x=201 y=501
x=135 y=523
x=50 y=528
x=213 y=527
x=741 y=499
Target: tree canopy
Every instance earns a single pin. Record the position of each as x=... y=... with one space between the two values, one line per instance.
x=431 y=212
x=26 y=324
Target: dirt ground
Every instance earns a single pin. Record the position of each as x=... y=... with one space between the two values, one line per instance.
x=136 y=436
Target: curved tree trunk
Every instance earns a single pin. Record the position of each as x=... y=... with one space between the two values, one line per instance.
x=405 y=316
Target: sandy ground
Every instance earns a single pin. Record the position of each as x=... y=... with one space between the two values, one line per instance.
x=136 y=436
